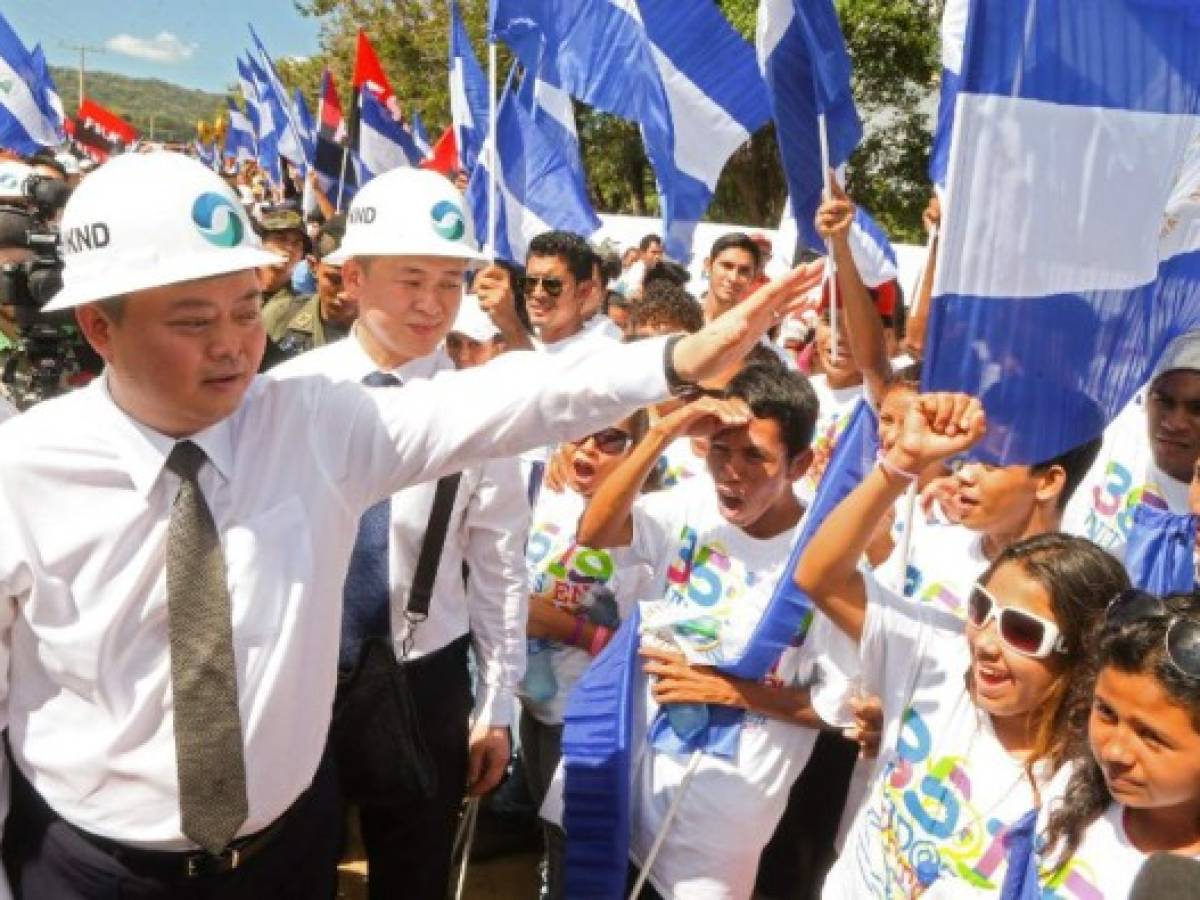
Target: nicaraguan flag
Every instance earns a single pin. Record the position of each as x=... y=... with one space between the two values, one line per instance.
x=31 y=115
x=289 y=135
x=554 y=112
x=954 y=36
x=239 y=136
x=250 y=95
x=1070 y=255
x=304 y=124
x=420 y=136
x=804 y=62
x=675 y=67
x=268 y=132
x=538 y=188
x=468 y=93
x=383 y=143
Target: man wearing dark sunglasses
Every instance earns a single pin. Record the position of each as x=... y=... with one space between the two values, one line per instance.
x=559 y=287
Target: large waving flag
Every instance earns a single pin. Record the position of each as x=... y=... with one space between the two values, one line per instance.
x=553 y=110
x=807 y=70
x=954 y=37
x=538 y=188
x=239 y=135
x=383 y=143
x=675 y=67
x=250 y=96
x=1071 y=251
x=31 y=115
x=266 y=129
x=468 y=93
x=289 y=134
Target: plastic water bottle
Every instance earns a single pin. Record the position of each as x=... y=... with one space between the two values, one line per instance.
x=687 y=720
x=539 y=683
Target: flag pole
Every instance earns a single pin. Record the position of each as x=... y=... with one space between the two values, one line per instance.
x=830 y=277
x=668 y=820
x=493 y=159
x=342 y=174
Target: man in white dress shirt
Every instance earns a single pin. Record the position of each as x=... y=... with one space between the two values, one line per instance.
x=406 y=280
x=177 y=534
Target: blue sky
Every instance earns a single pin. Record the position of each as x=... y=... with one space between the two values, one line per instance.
x=188 y=42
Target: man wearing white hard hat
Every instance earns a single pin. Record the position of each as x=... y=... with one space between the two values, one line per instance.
x=169 y=630
x=403 y=258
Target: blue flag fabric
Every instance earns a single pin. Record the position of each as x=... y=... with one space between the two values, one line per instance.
x=421 y=136
x=239 y=135
x=954 y=36
x=1160 y=553
x=468 y=94
x=538 y=189
x=250 y=96
x=304 y=124
x=597 y=761
x=675 y=67
x=1021 y=874
x=383 y=143
x=1074 y=154
x=267 y=132
x=288 y=133
x=31 y=115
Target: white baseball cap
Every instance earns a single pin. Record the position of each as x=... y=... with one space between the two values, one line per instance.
x=13 y=176
x=473 y=322
x=1182 y=353
x=408 y=212
x=146 y=220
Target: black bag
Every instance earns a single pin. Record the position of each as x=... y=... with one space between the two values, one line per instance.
x=382 y=758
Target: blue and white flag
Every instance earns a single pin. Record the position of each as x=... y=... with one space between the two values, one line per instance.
x=807 y=70
x=420 y=136
x=468 y=94
x=264 y=115
x=288 y=134
x=538 y=188
x=239 y=135
x=1071 y=250
x=675 y=67
x=250 y=96
x=553 y=110
x=304 y=124
x=31 y=115
x=954 y=37
x=383 y=143
x=207 y=154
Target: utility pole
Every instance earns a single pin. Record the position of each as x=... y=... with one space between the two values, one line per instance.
x=83 y=49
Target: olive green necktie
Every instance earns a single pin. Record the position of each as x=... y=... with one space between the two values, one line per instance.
x=208 y=729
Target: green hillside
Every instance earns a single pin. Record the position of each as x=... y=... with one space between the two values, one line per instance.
x=174 y=109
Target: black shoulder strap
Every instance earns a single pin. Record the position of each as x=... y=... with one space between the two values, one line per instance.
x=421 y=594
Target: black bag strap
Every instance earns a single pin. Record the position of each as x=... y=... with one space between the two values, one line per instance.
x=420 y=595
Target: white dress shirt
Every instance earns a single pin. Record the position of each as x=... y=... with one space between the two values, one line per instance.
x=489 y=525
x=7 y=410
x=85 y=501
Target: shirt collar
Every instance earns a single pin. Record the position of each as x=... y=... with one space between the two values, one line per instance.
x=145 y=450
x=359 y=364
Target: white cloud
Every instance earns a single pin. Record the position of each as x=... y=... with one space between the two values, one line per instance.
x=164 y=47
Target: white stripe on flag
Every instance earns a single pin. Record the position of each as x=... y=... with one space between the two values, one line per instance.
x=19 y=101
x=1097 y=228
x=556 y=103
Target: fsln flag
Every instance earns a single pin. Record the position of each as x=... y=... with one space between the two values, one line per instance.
x=954 y=36
x=100 y=132
x=444 y=158
x=30 y=112
x=239 y=136
x=288 y=132
x=468 y=93
x=370 y=76
x=329 y=157
x=538 y=189
x=383 y=143
x=332 y=124
x=675 y=67
x=1071 y=250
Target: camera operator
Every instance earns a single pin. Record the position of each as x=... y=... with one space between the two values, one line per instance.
x=40 y=356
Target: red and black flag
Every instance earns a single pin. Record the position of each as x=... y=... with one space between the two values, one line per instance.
x=99 y=131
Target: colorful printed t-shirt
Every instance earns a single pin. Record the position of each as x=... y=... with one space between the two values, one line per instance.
x=832 y=419
x=573 y=578
x=731 y=806
x=935 y=815
x=1104 y=866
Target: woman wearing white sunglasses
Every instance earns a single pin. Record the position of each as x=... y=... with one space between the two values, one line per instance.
x=975 y=731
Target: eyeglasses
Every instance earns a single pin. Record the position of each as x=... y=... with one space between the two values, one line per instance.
x=1183 y=634
x=610 y=440
x=552 y=285
x=1020 y=630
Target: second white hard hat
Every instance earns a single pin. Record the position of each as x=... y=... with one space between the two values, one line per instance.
x=408 y=212
x=145 y=220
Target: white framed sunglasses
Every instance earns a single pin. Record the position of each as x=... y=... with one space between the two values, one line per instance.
x=1020 y=630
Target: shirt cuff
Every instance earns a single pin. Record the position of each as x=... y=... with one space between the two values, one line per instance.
x=494 y=707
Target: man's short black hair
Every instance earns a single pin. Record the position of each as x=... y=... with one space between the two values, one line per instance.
x=737 y=240
x=648 y=241
x=567 y=246
x=1075 y=463
x=666 y=305
x=786 y=397
x=665 y=270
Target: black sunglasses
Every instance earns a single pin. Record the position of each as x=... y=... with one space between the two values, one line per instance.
x=553 y=286
x=610 y=440
x=1183 y=634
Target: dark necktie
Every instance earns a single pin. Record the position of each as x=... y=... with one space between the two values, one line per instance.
x=208 y=729
x=367 y=594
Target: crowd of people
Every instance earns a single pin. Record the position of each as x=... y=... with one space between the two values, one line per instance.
x=350 y=510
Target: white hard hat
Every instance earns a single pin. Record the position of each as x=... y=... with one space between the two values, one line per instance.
x=13 y=176
x=473 y=322
x=147 y=220
x=408 y=212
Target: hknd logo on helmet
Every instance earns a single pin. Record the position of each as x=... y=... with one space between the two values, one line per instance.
x=448 y=220
x=217 y=220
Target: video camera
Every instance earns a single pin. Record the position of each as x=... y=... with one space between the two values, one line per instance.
x=50 y=351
